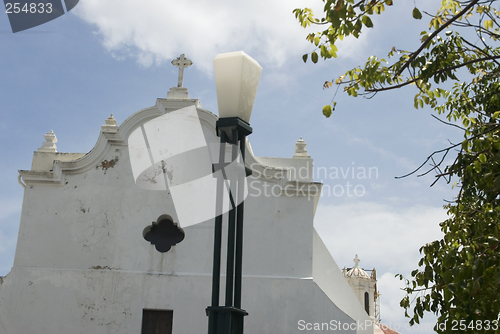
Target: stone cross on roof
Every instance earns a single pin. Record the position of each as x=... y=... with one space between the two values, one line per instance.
x=182 y=62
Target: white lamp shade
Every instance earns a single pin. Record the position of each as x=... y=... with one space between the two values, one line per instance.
x=237 y=77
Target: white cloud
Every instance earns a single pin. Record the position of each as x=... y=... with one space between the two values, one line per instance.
x=392 y=314
x=9 y=207
x=383 y=235
x=7 y=250
x=10 y=210
x=345 y=131
x=155 y=31
x=389 y=156
x=390 y=297
x=386 y=237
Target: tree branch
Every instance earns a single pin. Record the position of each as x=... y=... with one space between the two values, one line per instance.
x=451 y=124
x=430 y=157
x=437 y=31
x=477 y=48
x=440 y=71
x=467 y=63
x=392 y=87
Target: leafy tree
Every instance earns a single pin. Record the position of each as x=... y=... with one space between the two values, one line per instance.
x=459 y=276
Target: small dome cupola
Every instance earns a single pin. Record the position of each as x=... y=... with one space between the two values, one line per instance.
x=357 y=271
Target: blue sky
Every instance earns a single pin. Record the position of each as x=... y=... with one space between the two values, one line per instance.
x=113 y=57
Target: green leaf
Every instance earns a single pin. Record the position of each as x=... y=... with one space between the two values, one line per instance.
x=367 y=21
x=304 y=57
x=477 y=166
x=434 y=23
x=416 y=14
x=447 y=276
x=488 y=24
x=314 y=57
x=327 y=110
x=482 y=158
x=465 y=145
x=488 y=177
x=496 y=184
x=466 y=122
x=316 y=40
x=476 y=286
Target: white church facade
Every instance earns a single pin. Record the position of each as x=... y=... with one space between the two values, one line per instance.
x=82 y=264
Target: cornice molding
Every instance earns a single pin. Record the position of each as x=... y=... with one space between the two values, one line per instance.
x=107 y=139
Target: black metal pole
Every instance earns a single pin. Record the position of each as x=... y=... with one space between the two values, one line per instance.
x=239 y=241
x=213 y=318
x=239 y=232
x=231 y=229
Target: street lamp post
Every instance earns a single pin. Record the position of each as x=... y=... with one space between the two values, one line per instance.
x=236 y=77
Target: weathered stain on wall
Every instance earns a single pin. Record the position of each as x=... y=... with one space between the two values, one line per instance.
x=105 y=164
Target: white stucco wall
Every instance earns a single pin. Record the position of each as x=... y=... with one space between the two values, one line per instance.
x=108 y=301
x=82 y=265
x=330 y=279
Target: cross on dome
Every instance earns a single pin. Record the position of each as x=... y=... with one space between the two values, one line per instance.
x=182 y=62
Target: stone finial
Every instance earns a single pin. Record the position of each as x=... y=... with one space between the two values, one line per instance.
x=300 y=150
x=356 y=261
x=180 y=92
x=110 y=124
x=50 y=143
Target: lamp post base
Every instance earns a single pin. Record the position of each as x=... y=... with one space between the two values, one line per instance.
x=225 y=319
